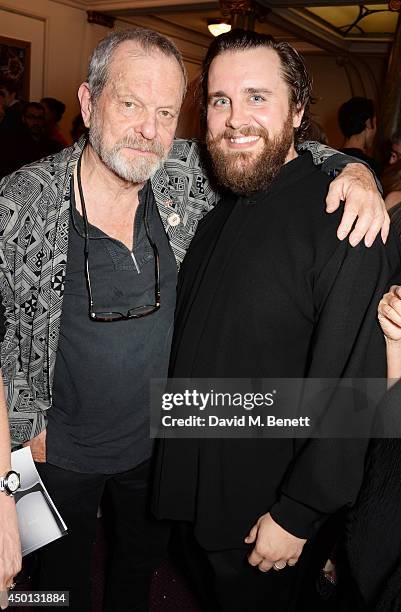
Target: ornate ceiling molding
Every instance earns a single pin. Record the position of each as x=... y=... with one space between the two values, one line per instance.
x=301 y=23
x=302 y=3
x=289 y=16
x=134 y=5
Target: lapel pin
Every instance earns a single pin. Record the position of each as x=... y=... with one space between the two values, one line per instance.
x=174 y=219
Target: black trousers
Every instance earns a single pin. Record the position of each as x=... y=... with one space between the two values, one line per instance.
x=137 y=541
x=239 y=587
x=225 y=582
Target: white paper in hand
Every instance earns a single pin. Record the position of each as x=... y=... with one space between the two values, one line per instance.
x=38 y=518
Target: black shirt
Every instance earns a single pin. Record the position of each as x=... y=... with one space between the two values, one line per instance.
x=395 y=218
x=99 y=421
x=374 y=165
x=268 y=290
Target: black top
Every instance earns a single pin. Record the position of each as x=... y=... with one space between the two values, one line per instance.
x=376 y=560
x=99 y=421
x=395 y=218
x=374 y=165
x=267 y=290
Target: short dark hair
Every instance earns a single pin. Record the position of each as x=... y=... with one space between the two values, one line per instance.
x=353 y=114
x=34 y=105
x=293 y=69
x=55 y=106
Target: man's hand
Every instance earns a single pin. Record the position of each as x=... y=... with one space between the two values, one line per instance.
x=38 y=447
x=10 y=547
x=274 y=547
x=356 y=186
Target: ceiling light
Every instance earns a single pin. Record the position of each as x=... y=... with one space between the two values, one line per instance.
x=217 y=27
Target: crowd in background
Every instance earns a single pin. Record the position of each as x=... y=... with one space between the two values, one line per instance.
x=357 y=120
x=30 y=130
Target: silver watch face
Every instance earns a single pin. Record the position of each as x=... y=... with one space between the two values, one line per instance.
x=13 y=482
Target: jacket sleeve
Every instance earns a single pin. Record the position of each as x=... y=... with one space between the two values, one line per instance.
x=331 y=160
x=326 y=474
x=25 y=418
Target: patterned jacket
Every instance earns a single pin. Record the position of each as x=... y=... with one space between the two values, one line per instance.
x=34 y=218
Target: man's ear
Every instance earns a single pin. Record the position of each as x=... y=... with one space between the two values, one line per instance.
x=370 y=123
x=297 y=117
x=85 y=103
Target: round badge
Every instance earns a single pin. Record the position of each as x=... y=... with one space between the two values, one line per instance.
x=173 y=219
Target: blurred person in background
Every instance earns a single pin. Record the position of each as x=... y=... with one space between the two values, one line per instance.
x=357 y=121
x=12 y=119
x=28 y=143
x=391 y=181
x=37 y=142
x=54 y=111
x=33 y=118
x=395 y=148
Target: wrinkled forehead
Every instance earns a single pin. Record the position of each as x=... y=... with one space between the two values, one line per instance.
x=130 y=58
x=129 y=51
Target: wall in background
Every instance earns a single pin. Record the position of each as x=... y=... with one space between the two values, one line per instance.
x=62 y=40
x=335 y=81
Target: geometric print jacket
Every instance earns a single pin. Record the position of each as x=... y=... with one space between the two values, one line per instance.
x=34 y=218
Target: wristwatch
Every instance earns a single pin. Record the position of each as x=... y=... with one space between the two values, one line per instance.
x=10 y=483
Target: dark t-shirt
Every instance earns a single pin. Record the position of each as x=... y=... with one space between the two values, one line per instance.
x=99 y=421
x=374 y=165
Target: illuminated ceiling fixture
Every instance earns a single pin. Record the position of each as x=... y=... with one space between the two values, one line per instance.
x=218 y=26
x=237 y=14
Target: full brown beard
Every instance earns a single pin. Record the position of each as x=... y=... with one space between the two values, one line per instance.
x=244 y=172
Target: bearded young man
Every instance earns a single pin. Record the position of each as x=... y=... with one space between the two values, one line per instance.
x=90 y=243
x=267 y=291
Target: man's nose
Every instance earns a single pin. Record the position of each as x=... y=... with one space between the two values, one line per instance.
x=238 y=117
x=147 y=127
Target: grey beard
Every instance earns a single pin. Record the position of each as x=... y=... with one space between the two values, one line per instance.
x=138 y=171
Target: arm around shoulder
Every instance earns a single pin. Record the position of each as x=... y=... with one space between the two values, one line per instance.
x=365 y=214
